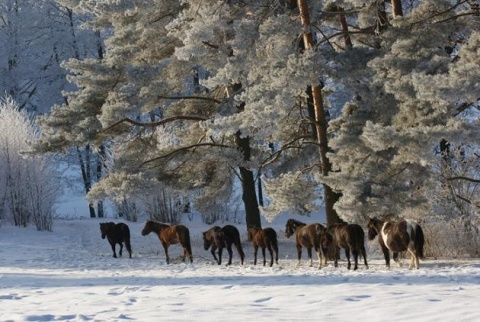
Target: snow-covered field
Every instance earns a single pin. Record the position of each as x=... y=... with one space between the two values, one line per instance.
x=70 y=275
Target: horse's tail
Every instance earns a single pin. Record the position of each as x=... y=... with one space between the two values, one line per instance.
x=126 y=236
x=419 y=240
x=238 y=244
x=187 y=243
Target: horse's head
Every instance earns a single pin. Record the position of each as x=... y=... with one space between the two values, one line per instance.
x=290 y=228
x=372 y=228
x=327 y=240
x=148 y=228
x=219 y=237
x=206 y=241
x=252 y=231
x=105 y=228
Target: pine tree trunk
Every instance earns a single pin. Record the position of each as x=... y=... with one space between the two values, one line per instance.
x=330 y=196
x=249 y=197
x=86 y=175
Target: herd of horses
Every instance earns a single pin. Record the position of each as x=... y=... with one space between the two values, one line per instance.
x=395 y=237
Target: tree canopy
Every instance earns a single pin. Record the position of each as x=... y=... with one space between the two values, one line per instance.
x=190 y=94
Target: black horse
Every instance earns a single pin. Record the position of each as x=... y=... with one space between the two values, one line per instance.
x=116 y=234
x=398 y=237
x=351 y=237
x=219 y=238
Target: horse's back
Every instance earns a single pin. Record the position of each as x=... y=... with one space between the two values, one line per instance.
x=120 y=233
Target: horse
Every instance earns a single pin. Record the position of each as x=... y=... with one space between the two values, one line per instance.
x=306 y=236
x=168 y=235
x=264 y=238
x=398 y=237
x=351 y=237
x=219 y=238
x=116 y=234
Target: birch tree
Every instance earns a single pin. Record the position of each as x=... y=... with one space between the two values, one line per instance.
x=28 y=184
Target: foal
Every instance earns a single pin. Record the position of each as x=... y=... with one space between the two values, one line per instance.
x=264 y=238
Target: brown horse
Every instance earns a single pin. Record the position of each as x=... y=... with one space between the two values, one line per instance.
x=178 y=234
x=351 y=237
x=306 y=236
x=398 y=237
x=264 y=238
x=225 y=237
x=116 y=234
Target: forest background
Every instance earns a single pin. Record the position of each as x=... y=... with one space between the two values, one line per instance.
x=233 y=110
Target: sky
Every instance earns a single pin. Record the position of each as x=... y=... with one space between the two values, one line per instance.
x=69 y=274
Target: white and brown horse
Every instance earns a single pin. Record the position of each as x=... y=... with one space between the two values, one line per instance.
x=398 y=237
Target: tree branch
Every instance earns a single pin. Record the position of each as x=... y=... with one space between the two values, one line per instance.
x=463 y=178
x=189 y=98
x=185 y=148
x=158 y=123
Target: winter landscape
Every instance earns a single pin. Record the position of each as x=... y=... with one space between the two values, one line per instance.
x=69 y=274
x=240 y=112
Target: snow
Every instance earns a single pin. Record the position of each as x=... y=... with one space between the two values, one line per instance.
x=70 y=275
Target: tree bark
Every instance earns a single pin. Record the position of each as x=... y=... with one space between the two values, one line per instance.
x=249 y=197
x=330 y=196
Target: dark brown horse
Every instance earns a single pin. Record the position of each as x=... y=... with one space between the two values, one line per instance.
x=225 y=237
x=264 y=238
x=398 y=237
x=177 y=234
x=116 y=234
x=351 y=237
x=306 y=236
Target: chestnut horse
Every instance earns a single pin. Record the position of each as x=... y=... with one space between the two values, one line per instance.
x=116 y=234
x=351 y=237
x=264 y=238
x=398 y=237
x=306 y=236
x=177 y=234
x=219 y=238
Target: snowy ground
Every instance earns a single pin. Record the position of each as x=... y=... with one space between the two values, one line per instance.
x=70 y=275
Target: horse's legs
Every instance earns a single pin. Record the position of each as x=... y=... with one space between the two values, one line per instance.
x=413 y=257
x=364 y=254
x=319 y=255
x=113 y=248
x=275 y=248
x=386 y=254
x=309 y=253
x=299 y=254
x=220 y=251
x=121 y=249
x=355 y=258
x=212 y=250
x=395 y=258
x=264 y=260
x=165 y=247
x=347 y=255
x=230 y=254
x=270 y=250
x=255 y=251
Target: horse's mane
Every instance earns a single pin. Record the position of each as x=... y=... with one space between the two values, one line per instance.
x=158 y=223
x=295 y=222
